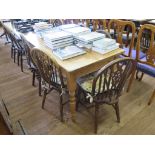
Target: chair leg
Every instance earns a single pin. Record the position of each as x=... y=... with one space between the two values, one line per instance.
x=33 y=78
x=152 y=97
x=135 y=40
x=21 y=62
x=77 y=105
x=7 y=39
x=18 y=55
x=11 y=52
x=2 y=34
x=44 y=98
x=130 y=81
x=14 y=55
x=39 y=86
x=139 y=78
x=96 y=118
x=116 y=107
x=77 y=98
x=61 y=108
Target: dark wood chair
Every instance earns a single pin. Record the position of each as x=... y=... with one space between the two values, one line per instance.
x=31 y=65
x=51 y=75
x=106 y=86
x=17 y=50
x=145 y=42
x=124 y=33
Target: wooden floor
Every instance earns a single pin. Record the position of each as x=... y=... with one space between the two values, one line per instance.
x=3 y=128
x=24 y=103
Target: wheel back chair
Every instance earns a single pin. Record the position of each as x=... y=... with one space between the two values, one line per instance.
x=106 y=86
x=51 y=75
x=31 y=65
x=17 y=49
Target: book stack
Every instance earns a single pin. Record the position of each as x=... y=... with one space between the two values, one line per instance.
x=75 y=31
x=58 y=39
x=68 y=52
x=87 y=39
x=67 y=26
x=105 y=45
x=41 y=26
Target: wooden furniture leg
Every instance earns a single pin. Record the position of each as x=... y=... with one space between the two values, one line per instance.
x=2 y=34
x=141 y=76
x=71 y=82
x=131 y=81
x=151 y=99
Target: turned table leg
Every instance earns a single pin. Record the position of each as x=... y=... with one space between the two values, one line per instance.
x=71 y=81
x=72 y=101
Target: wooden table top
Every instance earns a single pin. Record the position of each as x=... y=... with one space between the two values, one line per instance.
x=72 y=64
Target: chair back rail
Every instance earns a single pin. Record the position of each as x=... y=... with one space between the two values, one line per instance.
x=27 y=49
x=146 y=40
x=15 y=40
x=123 y=28
x=109 y=80
x=107 y=34
x=49 y=70
x=99 y=24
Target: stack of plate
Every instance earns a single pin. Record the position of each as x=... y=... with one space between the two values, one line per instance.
x=41 y=26
x=58 y=39
x=105 y=45
x=68 y=52
x=75 y=31
x=87 y=39
x=67 y=26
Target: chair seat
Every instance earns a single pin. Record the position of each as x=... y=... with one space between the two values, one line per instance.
x=86 y=82
x=126 y=52
x=147 y=69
